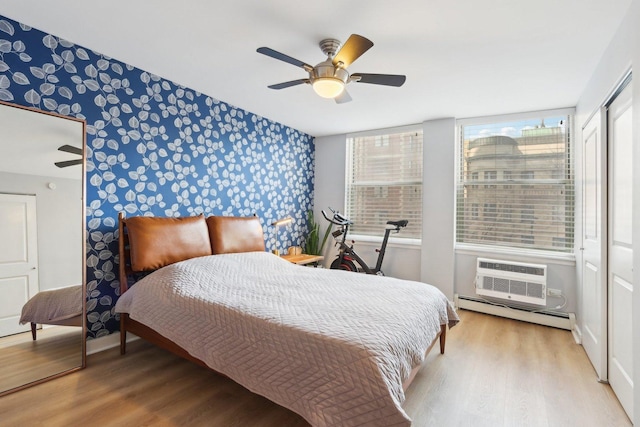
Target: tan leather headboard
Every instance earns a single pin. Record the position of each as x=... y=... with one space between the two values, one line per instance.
x=156 y=241
x=231 y=234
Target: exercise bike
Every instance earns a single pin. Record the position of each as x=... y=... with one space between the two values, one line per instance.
x=347 y=257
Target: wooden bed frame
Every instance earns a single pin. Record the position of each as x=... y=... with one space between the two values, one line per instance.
x=129 y=325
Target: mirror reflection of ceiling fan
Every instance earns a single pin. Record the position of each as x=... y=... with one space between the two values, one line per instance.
x=72 y=150
x=330 y=77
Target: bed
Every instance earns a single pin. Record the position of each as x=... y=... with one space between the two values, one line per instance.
x=62 y=306
x=338 y=348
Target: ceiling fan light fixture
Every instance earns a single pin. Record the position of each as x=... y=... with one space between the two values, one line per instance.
x=329 y=77
x=328 y=87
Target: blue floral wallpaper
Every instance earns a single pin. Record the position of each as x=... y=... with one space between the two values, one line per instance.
x=155 y=148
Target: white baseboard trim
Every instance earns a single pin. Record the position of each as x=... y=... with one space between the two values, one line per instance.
x=563 y=321
x=97 y=345
x=577 y=334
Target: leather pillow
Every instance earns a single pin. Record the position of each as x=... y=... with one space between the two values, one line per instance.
x=157 y=241
x=229 y=234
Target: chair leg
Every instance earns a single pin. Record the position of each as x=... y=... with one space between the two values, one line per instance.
x=443 y=337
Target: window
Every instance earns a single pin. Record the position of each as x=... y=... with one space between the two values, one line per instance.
x=382 y=140
x=490 y=176
x=507 y=176
x=559 y=241
x=507 y=213
x=526 y=177
x=490 y=211
x=528 y=191
x=527 y=216
x=384 y=182
x=474 y=177
x=527 y=239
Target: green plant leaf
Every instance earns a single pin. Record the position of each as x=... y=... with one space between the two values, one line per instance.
x=312 y=240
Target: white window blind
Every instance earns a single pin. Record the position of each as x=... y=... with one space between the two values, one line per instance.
x=515 y=184
x=384 y=182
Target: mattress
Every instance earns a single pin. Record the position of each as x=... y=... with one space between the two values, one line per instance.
x=330 y=345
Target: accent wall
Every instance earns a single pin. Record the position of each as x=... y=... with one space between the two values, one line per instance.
x=156 y=148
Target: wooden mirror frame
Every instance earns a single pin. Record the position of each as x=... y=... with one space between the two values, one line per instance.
x=83 y=251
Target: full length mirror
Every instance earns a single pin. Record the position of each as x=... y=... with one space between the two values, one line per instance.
x=42 y=268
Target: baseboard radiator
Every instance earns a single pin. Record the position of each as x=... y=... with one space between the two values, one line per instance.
x=555 y=319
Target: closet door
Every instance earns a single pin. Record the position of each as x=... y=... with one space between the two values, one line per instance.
x=620 y=250
x=594 y=241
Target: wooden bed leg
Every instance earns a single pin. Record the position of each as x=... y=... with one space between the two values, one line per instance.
x=123 y=335
x=443 y=337
x=33 y=330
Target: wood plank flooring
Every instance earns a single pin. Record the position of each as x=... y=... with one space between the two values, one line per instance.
x=22 y=360
x=496 y=372
x=502 y=372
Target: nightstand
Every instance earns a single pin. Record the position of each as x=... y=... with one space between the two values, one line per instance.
x=303 y=258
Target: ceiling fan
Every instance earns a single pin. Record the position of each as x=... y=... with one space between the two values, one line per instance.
x=330 y=77
x=72 y=150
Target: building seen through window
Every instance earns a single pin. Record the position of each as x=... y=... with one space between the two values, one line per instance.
x=515 y=185
x=384 y=182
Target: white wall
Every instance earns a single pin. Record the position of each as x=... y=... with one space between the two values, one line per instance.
x=438 y=260
x=329 y=183
x=60 y=225
x=622 y=54
x=330 y=166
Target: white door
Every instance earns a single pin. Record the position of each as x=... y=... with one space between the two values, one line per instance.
x=594 y=241
x=18 y=259
x=620 y=274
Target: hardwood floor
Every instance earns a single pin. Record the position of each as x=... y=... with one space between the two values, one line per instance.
x=502 y=372
x=496 y=372
x=22 y=360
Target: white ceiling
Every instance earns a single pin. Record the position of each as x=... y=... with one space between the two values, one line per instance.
x=462 y=58
x=30 y=141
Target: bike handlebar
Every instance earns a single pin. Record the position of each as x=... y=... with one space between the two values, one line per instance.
x=324 y=214
x=337 y=219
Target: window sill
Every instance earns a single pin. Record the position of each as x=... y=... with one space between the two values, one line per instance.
x=516 y=254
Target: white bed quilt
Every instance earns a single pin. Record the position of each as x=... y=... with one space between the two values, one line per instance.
x=53 y=305
x=330 y=345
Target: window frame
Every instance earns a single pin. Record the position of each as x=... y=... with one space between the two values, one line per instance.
x=567 y=257
x=382 y=135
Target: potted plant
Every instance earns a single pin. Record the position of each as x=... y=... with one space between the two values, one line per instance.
x=312 y=245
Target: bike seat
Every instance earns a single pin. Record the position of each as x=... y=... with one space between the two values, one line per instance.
x=401 y=223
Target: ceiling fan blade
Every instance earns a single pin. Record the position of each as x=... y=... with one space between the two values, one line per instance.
x=70 y=149
x=343 y=97
x=68 y=163
x=286 y=58
x=380 y=79
x=351 y=50
x=288 y=84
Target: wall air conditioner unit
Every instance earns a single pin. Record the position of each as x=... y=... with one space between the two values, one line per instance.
x=513 y=281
